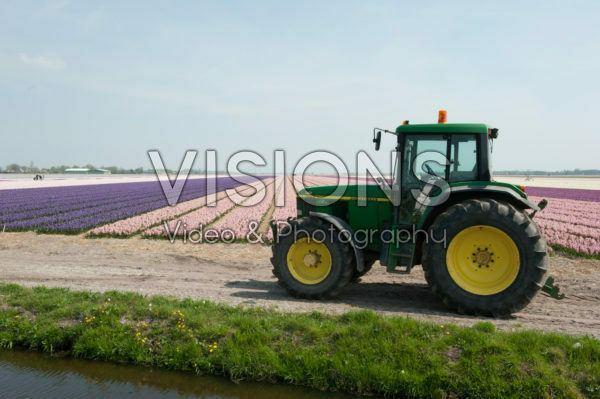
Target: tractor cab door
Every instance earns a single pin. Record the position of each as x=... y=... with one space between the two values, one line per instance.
x=424 y=160
x=430 y=161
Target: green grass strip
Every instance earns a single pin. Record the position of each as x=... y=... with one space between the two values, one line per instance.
x=572 y=252
x=359 y=351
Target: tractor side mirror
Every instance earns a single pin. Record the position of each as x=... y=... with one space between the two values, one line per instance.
x=377 y=140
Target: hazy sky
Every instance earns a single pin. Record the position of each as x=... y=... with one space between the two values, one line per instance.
x=103 y=82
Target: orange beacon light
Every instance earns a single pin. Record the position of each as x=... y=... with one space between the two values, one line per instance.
x=442 y=117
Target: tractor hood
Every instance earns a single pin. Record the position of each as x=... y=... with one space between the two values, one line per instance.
x=372 y=192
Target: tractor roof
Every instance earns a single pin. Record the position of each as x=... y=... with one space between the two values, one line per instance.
x=444 y=128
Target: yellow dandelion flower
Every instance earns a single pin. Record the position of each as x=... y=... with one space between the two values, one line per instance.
x=17 y=316
x=211 y=350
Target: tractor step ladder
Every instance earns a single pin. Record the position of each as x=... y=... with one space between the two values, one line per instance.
x=403 y=264
x=403 y=261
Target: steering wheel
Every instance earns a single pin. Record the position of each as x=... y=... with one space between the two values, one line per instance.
x=429 y=170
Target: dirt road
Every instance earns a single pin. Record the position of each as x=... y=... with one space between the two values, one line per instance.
x=240 y=274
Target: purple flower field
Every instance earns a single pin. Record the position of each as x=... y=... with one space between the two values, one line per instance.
x=571 y=221
x=78 y=208
x=565 y=193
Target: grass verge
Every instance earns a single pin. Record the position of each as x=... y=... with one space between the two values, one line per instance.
x=359 y=351
x=572 y=253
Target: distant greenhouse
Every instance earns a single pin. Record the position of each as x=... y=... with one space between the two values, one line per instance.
x=86 y=171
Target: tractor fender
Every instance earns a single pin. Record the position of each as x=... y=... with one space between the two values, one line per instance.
x=523 y=202
x=342 y=225
x=457 y=194
x=452 y=195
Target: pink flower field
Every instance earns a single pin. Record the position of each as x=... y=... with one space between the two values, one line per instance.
x=203 y=217
x=231 y=211
x=571 y=225
x=570 y=222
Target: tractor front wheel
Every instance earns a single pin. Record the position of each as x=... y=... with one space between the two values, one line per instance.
x=309 y=261
x=491 y=262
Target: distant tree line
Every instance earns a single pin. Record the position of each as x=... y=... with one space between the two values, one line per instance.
x=31 y=168
x=546 y=173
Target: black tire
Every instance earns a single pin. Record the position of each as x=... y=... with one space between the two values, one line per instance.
x=518 y=226
x=342 y=260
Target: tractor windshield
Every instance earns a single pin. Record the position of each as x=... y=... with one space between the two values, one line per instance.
x=449 y=157
x=424 y=155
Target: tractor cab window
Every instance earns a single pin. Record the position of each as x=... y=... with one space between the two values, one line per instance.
x=463 y=158
x=424 y=158
x=453 y=158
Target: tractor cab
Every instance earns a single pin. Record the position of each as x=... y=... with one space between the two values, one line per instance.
x=456 y=153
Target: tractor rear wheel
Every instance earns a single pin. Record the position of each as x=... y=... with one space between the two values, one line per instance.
x=492 y=261
x=309 y=261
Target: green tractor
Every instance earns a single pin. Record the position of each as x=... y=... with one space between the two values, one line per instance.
x=478 y=246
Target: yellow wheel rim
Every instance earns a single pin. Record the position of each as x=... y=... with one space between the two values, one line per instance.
x=309 y=261
x=483 y=260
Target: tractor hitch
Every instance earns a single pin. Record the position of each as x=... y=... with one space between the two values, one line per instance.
x=542 y=204
x=552 y=290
